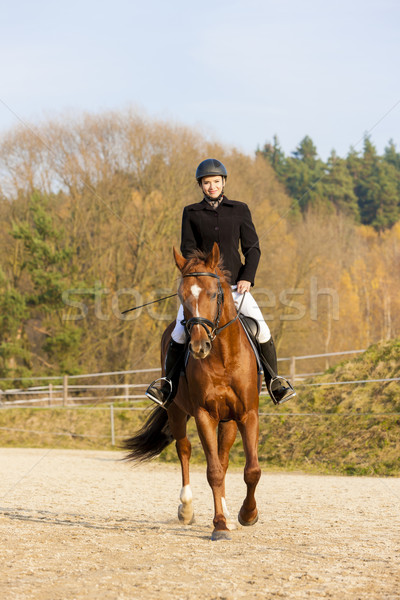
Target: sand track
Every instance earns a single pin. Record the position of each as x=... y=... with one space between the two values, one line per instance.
x=79 y=524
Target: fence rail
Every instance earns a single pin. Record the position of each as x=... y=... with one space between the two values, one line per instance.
x=59 y=390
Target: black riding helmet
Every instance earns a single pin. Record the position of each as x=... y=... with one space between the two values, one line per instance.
x=210 y=166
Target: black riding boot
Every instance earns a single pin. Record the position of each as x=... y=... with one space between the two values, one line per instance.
x=165 y=394
x=277 y=390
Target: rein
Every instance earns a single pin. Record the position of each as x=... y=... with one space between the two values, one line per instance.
x=211 y=327
x=147 y=304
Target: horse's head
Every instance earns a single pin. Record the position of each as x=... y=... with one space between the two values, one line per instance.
x=202 y=297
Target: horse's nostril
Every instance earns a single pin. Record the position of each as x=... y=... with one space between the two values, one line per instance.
x=200 y=349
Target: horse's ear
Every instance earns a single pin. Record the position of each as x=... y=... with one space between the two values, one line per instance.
x=179 y=260
x=212 y=259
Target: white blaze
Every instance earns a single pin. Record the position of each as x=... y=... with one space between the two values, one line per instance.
x=195 y=289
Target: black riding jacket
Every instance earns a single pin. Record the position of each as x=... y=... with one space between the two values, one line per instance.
x=227 y=225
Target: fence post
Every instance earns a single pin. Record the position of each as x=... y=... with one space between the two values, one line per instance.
x=65 y=390
x=112 y=424
x=292 y=369
x=126 y=392
x=50 y=393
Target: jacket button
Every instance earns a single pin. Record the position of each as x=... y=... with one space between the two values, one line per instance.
x=216 y=228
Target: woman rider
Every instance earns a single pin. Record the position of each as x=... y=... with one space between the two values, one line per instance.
x=227 y=222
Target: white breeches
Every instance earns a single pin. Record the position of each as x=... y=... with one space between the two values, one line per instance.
x=249 y=309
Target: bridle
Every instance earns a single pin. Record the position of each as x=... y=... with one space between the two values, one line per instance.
x=211 y=327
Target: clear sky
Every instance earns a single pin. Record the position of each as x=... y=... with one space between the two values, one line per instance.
x=239 y=70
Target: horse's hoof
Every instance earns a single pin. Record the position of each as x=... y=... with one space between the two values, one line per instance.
x=186 y=514
x=218 y=535
x=247 y=523
x=187 y=521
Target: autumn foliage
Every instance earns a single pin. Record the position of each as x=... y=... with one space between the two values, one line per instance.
x=89 y=211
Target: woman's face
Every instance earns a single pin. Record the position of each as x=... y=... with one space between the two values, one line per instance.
x=212 y=186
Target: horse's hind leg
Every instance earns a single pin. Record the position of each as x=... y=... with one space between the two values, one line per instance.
x=227 y=431
x=248 y=514
x=177 y=423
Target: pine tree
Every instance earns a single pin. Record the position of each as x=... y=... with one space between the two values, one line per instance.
x=48 y=273
x=275 y=155
x=392 y=156
x=14 y=356
x=338 y=187
x=376 y=190
x=303 y=175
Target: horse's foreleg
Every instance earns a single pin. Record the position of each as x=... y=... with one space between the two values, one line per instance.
x=226 y=436
x=206 y=427
x=248 y=514
x=185 y=510
x=177 y=422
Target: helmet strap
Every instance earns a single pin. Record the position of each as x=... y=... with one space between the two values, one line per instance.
x=214 y=202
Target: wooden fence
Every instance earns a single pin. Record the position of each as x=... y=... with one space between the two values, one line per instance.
x=63 y=391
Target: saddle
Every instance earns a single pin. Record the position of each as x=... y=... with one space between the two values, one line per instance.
x=252 y=330
x=275 y=383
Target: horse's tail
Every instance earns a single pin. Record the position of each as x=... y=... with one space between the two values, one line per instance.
x=151 y=439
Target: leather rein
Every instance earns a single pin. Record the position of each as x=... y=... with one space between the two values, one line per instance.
x=211 y=327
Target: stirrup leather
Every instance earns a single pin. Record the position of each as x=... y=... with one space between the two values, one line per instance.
x=277 y=383
x=153 y=391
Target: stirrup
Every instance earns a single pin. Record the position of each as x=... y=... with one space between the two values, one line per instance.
x=154 y=392
x=277 y=383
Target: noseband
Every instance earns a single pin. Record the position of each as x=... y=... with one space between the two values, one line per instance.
x=211 y=327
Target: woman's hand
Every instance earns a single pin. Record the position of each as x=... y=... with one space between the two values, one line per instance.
x=243 y=286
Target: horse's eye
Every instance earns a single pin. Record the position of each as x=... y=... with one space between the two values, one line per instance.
x=213 y=295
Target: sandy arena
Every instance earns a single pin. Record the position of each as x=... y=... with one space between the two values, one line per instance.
x=80 y=524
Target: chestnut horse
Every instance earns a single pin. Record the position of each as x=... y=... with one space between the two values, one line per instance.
x=220 y=390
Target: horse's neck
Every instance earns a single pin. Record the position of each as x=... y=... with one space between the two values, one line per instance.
x=228 y=308
x=227 y=343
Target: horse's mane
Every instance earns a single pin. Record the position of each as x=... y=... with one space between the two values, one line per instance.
x=197 y=258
